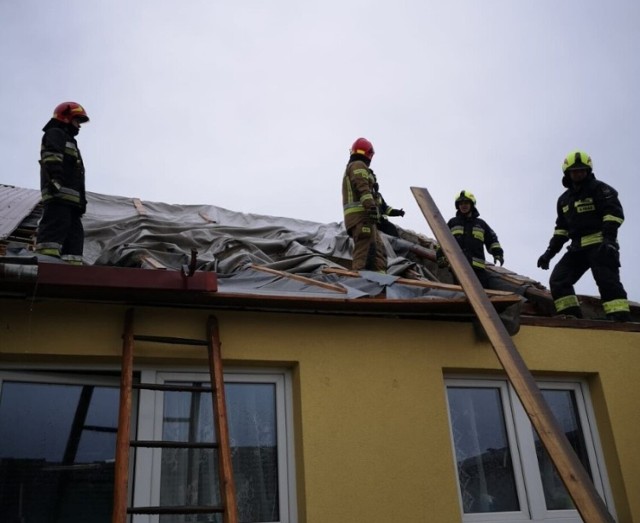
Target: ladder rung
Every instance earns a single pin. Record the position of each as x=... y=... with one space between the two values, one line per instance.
x=172 y=444
x=98 y=428
x=170 y=340
x=171 y=388
x=177 y=510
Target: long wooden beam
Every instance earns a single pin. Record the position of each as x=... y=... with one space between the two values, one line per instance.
x=585 y=497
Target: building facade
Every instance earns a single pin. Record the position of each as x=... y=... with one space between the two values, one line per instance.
x=333 y=416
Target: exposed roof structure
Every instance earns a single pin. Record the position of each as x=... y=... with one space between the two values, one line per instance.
x=259 y=261
x=15 y=205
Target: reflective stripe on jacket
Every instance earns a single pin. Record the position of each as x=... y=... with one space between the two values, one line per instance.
x=473 y=234
x=61 y=166
x=586 y=215
x=357 y=193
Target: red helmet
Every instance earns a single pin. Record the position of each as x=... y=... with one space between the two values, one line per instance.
x=362 y=146
x=66 y=111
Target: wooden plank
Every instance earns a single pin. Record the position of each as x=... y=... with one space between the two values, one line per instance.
x=139 y=207
x=303 y=279
x=121 y=473
x=150 y=260
x=225 y=468
x=585 y=497
x=205 y=217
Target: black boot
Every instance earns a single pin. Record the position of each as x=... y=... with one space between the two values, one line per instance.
x=622 y=316
x=570 y=312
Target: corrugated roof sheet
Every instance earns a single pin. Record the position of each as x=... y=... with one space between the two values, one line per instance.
x=15 y=205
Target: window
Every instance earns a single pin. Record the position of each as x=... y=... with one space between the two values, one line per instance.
x=504 y=472
x=57 y=447
x=57 y=444
x=260 y=430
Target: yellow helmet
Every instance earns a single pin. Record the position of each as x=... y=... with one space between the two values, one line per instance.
x=465 y=195
x=577 y=159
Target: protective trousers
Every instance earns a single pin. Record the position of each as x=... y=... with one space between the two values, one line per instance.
x=368 y=250
x=60 y=232
x=570 y=269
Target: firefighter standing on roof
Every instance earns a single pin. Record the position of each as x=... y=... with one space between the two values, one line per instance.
x=589 y=214
x=60 y=231
x=472 y=234
x=361 y=213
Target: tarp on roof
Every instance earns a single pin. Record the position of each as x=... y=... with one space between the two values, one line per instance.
x=120 y=231
x=127 y=232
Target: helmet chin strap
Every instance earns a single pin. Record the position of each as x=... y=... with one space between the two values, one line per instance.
x=73 y=130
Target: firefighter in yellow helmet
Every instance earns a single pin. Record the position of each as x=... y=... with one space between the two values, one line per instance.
x=589 y=214
x=60 y=232
x=473 y=234
x=361 y=213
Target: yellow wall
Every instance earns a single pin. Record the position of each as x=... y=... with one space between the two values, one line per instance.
x=372 y=436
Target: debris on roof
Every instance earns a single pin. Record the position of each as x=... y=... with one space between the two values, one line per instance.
x=16 y=205
x=258 y=256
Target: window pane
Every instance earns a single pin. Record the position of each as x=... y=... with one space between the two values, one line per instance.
x=190 y=477
x=564 y=408
x=485 y=469
x=57 y=445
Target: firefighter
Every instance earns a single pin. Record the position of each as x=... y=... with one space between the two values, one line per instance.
x=361 y=213
x=473 y=234
x=60 y=231
x=589 y=214
x=385 y=211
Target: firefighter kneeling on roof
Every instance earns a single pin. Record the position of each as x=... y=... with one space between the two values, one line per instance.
x=589 y=214
x=361 y=213
x=60 y=231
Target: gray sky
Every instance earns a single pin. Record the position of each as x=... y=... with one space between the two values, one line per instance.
x=252 y=105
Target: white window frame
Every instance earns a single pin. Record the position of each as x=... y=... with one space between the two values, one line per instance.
x=150 y=408
x=522 y=449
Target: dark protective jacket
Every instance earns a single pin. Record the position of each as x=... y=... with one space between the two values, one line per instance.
x=384 y=211
x=61 y=166
x=586 y=215
x=473 y=234
x=358 y=200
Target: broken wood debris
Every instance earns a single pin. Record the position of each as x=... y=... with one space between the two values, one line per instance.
x=304 y=279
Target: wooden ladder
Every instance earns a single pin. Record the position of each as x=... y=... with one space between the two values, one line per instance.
x=228 y=507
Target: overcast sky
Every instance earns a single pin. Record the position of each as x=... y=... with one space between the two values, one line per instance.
x=252 y=105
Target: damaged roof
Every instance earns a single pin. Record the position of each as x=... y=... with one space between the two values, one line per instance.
x=286 y=262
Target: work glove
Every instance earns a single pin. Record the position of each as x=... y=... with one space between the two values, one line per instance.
x=442 y=261
x=543 y=261
x=397 y=212
x=499 y=258
x=608 y=253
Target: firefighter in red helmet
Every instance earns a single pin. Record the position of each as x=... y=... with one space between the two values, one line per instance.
x=60 y=232
x=361 y=213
